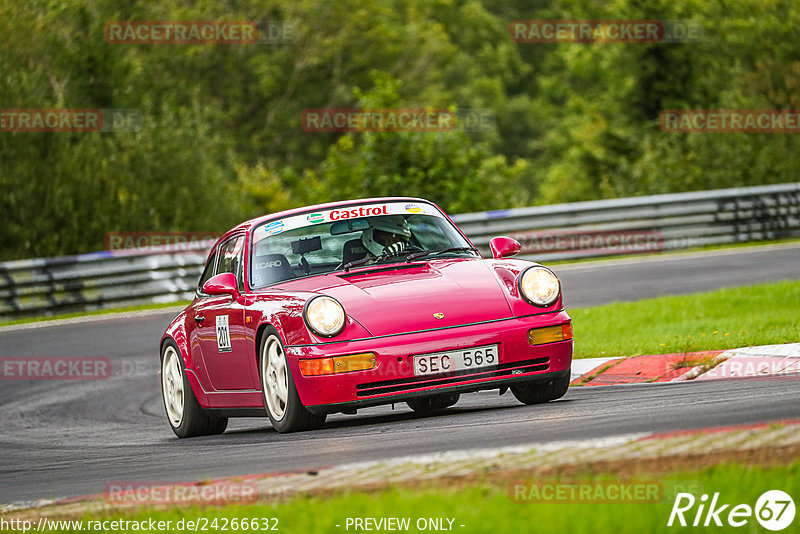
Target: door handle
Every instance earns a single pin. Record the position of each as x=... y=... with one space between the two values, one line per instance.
x=199 y=318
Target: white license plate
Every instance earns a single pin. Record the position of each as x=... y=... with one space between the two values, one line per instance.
x=456 y=360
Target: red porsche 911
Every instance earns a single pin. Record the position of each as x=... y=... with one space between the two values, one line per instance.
x=341 y=306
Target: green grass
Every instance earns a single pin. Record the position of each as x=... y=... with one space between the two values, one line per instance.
x=139 y=307
x=762 y=314
x=489 y=507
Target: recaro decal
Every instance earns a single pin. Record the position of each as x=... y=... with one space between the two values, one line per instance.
x=269 y=264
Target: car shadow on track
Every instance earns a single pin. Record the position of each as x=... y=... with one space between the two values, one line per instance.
x=341 y=422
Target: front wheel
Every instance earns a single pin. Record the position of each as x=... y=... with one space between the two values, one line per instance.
x=185 y=415
x=433 y=404
x=285 y=411
x=538 y=392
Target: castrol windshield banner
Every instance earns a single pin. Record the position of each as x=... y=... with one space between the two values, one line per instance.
x=342 y=213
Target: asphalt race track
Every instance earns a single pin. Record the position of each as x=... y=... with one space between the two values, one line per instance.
x=65 y=438
x=594 y=283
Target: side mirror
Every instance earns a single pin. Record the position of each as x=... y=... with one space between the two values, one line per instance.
x=501 y=247
x=221 y=284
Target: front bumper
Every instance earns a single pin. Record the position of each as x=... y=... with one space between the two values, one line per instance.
x=393 y=380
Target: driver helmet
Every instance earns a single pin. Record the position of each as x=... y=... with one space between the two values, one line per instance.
x=381 y=229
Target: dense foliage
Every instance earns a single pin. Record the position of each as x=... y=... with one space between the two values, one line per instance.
x=221 y=139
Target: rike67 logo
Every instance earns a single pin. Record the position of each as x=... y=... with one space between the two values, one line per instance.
x=774 y=510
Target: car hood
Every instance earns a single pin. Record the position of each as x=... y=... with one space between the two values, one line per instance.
x=411 y=297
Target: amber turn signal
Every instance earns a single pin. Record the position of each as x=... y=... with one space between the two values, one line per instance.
x=550 y=334
x=354 y=362
x=317 y=366
x=339 y=364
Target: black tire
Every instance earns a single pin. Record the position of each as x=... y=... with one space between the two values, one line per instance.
x=190 y=419
x=540 y=392
x=433 y=404
x=289 y=415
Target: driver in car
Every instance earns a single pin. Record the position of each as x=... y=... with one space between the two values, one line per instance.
x=386 y=236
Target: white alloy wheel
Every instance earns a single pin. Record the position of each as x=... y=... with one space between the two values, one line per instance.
x=172 y=386
x=274 y=377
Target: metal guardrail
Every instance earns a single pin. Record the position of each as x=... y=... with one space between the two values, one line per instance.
x=562 y=231
x=96 y=281
x=661 y=222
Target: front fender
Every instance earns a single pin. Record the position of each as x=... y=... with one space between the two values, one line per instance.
x=284 y=312
x=176 y=330
x=507 y=272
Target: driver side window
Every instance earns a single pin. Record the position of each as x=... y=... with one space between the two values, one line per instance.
x=226 y=259
x=230 y=259
x=208 y=272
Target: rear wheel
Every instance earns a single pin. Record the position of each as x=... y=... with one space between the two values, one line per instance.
x=539 y=392
x=185 y=415
x=285 y=411
x=433 y=404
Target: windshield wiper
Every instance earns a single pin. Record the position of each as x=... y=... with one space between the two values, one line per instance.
x=422 y=254
x=381 y=258
x=410 y=257
x=384 y=257
x=356 y=263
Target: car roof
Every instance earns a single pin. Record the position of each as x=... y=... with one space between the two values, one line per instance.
x=252 y=223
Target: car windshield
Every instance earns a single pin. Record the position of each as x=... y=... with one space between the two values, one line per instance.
x=360 y=234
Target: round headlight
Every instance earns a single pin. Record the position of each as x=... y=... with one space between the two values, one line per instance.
x=325 y=316
x=539 y=286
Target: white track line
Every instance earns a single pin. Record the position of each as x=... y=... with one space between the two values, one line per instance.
x=92 y=318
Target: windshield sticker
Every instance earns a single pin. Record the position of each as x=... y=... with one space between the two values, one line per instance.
x=273 y=228
x=361 y=211
x=341 y=213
